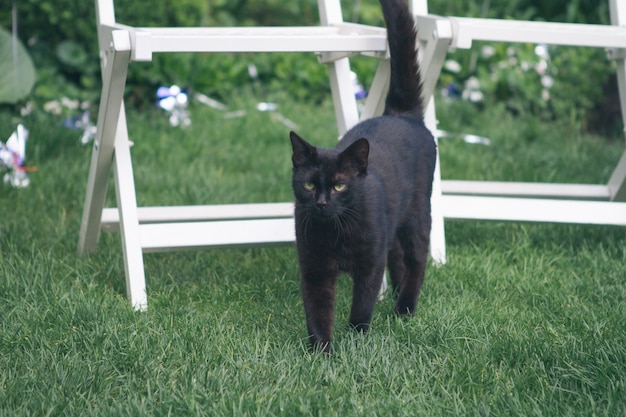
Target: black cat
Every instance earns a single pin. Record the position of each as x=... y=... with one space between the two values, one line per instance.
x=365 y=204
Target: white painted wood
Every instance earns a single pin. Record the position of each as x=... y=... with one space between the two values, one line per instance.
x=111 y=104
x=344 y=101
x=433 y=54
x=617 y=182
x=231 y=233
x=534 y=210
x=330 y=12
x=528 y=189
x=437 y=233
x=105 y=12
x=468 y=30
x=164 y=214
x=338 y=37
x=129 y=223
x=418 y=7
x=375 y=103
x=430 y=52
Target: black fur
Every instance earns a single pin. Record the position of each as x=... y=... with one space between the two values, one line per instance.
x=365 y=205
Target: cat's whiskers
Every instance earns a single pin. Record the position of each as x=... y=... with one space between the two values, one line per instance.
x=306 y=222
x=346 y=221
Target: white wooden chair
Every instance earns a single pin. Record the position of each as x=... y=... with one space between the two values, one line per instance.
x=535 y=202
x=150 y=229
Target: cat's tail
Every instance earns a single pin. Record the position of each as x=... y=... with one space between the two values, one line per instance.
x=405 y=87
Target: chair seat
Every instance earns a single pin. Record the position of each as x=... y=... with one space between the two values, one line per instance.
x=198 y=213
x=225 y=233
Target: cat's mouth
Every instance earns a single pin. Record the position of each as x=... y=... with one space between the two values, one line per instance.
x=323 y=213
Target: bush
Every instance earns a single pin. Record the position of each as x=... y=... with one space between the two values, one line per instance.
x=565 y=83
x=64 y=48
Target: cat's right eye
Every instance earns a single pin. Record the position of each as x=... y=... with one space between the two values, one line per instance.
x=340 y=186
x=309 y=186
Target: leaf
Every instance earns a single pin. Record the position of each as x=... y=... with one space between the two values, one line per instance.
x=72 y=54
x=17 y=73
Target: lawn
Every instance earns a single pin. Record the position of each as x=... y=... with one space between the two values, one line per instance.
x=524 y=319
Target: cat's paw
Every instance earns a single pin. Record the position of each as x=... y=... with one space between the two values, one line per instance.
x=360 y=327
x=404 y=310
x=319 y=345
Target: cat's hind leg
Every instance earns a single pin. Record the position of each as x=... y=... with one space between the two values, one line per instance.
x=395 y=265
x=414 y=238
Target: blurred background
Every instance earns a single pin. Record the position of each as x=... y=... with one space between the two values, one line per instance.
x=59 y=38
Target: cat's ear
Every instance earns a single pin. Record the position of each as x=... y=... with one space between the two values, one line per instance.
x=303 y=152
x=354 y=158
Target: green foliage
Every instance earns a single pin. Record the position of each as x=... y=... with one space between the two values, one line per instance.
x=579 y=11
x=64 y=45
x=62 y=40
x=17 y=74
x=563 y=83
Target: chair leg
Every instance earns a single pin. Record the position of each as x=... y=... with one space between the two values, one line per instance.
x=437 y=232
x=617 y=183
x=129 y=222
x=432 y=55
x=113 y=83
x=344 y=101
x=375 y=103
x=111 y=148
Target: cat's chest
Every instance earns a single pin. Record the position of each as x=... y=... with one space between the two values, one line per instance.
x=344 y=250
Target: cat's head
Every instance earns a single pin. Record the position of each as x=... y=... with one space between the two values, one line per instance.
x=326 y=181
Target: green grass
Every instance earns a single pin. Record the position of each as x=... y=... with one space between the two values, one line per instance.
x=525 y=319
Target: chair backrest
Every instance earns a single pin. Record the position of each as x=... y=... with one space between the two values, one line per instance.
x=149 y=229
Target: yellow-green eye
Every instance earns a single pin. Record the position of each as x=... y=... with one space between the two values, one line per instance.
x=339 y=187
x=309 y=186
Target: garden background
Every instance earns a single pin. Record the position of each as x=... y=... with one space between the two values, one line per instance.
x=524 y=319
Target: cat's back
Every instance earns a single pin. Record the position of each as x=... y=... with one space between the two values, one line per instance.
x=399 y=138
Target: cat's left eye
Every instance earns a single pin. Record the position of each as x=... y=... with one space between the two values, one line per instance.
x=339 y=187
x=309 y=186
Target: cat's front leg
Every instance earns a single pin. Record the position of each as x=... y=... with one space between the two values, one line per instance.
x=366 y=285
x=318 y=294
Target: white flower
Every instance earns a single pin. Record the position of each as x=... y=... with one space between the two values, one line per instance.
x=541 y=67
x=70 y=104
x=541 y=51
x=472 y=83
x=452 y=66
x=547 y=81
x=487 y=51
x=476 y=96
x=53 y=107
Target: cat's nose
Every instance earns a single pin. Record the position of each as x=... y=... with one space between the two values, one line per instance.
x=321 y=201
